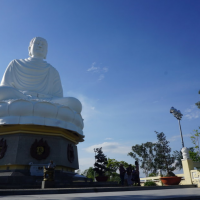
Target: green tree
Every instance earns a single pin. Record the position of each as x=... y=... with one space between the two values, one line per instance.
x=101 y=162
x=145 y=154
x=154 y=156
x=194 y=152
x=114 y=177
x=194 y=155
x=113 y=166
x=89 y=173
x=164 y=160
x=195 y=140
x=198 y=103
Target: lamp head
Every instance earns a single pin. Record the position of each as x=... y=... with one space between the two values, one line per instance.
x=172 y=110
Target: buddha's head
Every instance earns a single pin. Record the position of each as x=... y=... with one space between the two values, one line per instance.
x=38 y=48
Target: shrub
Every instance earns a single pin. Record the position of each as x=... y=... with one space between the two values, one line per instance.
x=149 y=183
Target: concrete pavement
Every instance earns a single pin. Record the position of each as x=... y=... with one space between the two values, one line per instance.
x=181 y=194
x=87 y=189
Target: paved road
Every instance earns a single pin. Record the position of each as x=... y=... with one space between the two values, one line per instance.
x=188 y=193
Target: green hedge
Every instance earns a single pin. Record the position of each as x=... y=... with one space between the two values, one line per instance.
x=149 y=183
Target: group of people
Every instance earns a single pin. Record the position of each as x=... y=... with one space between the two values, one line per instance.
x=131 y=174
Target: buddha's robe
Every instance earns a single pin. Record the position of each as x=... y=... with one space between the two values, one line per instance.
x=33 y=77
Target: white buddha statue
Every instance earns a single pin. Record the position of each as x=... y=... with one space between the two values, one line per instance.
x=34 y=78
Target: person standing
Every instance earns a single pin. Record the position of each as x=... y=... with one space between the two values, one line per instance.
x=134 y=176
x=51 y=165
x=137 y=173
x=122 y=172
x=129 y=171
x=49 y=171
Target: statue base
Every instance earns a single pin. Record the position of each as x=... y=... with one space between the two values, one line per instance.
x=62 y=180
x=48 y=184
x=24 y=145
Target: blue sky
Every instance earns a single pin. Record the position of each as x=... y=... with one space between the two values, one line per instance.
x=128 y=61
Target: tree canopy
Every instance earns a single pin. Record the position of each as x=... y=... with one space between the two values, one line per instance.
x=145 y=154
x=89 y=173
x=154 y=156
x=113 y=164
x=101 y=162
x=163 y=159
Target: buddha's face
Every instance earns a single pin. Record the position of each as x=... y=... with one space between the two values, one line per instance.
x=38 y=49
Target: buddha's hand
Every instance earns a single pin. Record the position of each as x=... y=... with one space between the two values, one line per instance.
x=36 y=95
x=30 y=93
x=44 y=96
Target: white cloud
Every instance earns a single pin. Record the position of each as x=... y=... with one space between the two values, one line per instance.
x=192 y=113
x=89 y=109
x=105 y=69
x=101 y=77
x=108 y=138
x=111 y=147
x=97 y=69
x=93 y=68
x=175 y=137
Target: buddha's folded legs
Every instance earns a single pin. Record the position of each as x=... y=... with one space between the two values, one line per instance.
x=71 y=102
x=7 y=92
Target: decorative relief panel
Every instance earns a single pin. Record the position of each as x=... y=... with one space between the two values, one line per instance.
x=195 y=175
x=40 y=149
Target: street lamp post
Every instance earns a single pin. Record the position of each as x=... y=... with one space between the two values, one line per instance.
x=178 y=115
